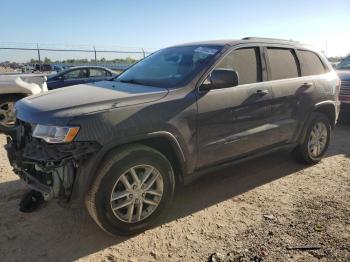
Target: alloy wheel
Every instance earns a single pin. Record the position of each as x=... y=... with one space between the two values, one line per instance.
x=318 y=139
x=137 y=193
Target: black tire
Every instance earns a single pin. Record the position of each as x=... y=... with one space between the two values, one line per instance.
x=301 y=152
x=7 y=99
x=116 y=163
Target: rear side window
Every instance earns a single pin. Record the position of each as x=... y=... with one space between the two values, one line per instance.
x=283 y=63
x=312 y=64
x=96 y=72
x=246 y=62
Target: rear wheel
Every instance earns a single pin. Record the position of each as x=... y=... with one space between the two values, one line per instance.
x=132 y=189
x=316 y=140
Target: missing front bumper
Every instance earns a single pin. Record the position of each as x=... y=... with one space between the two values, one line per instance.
x=48 y=168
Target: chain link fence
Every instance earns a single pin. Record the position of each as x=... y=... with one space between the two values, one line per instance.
x=34 y=55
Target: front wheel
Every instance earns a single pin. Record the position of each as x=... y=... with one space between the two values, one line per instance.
x=131 y=191
x=316 y=140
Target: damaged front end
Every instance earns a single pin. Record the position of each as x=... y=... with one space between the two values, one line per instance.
x=49 y=168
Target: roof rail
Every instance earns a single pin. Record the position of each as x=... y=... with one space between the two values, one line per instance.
x=268 y=39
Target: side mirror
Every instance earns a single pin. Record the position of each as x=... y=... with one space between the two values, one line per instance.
x=221 y=78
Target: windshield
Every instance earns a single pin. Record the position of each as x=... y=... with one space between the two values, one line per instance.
x=170 y=67
x=345 y=64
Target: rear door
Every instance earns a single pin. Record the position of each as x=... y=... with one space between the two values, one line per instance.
x=235 y=121
x=290 y=92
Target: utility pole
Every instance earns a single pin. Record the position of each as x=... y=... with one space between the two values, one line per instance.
x=95 y=55
x=37 y=46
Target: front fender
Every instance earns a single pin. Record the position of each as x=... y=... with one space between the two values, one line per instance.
x=88 y=168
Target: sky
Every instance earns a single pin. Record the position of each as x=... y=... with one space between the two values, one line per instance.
x=151 y=25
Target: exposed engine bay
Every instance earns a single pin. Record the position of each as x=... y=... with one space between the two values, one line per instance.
x=47 y=168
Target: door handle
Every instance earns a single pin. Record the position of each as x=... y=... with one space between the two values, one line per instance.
x=262 y=92
x=307 y=85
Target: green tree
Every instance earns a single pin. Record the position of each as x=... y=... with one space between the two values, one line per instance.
x=47 y=60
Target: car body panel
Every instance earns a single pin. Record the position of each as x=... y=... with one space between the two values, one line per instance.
x=61 y=105
x=26 y=84
x=207 y=128
x=231 y=122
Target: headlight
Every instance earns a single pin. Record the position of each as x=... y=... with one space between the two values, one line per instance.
x=55 y=134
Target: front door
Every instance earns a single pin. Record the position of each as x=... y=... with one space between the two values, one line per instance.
x=235 y=121
x=75 y=77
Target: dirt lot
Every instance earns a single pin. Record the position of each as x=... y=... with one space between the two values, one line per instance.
x=254 y=211
x=6 y=70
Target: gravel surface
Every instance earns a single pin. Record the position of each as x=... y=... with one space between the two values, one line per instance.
x=267 y=209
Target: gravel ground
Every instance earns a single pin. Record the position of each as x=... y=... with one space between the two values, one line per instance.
x=259 y=210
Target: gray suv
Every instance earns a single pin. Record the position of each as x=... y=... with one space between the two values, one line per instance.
x=123 y=146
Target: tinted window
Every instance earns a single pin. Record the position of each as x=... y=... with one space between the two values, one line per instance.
x=312 y=64
x=170 y=66
x=246 y=62
x=79 y=73
x=283 y=63
x=95 y=72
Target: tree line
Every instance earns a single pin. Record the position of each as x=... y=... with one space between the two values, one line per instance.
x=46 y=60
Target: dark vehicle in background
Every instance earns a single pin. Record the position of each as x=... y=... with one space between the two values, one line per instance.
x=79 y=75
x=122 y=146
x=43 y=68
x=343 y=70
x=57 y=68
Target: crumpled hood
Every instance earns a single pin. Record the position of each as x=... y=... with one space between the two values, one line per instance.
x=344 y=74
x=60 y=105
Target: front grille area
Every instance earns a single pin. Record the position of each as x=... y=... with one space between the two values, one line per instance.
x=39 y=150
x=344 y=95
x=345 y=88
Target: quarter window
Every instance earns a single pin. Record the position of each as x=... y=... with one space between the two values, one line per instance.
x=246 y=62
x=283 y=63
x=312 y=64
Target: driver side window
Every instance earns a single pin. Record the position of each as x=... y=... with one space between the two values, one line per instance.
x=74 y=74
x=246 y=62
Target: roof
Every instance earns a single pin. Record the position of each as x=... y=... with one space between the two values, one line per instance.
x=88 y=66
x=232 y=42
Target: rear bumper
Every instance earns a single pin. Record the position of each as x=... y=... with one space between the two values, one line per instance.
x=344 y=115
x=345 y=108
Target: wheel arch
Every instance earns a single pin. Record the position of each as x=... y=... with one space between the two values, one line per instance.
x=164 y=142
x=327 y=108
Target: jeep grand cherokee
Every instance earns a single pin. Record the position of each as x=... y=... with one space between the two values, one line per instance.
x=121 y=146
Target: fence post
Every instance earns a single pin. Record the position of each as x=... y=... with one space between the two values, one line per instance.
x=95 y=54
x=144 y=54
x=39 y=59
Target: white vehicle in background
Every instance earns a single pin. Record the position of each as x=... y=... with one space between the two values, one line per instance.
x=15 y=87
